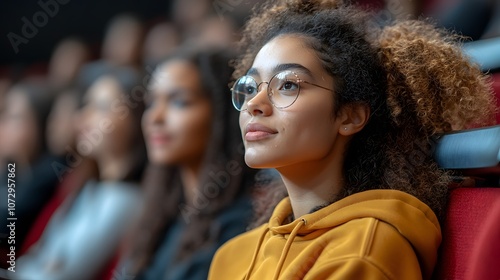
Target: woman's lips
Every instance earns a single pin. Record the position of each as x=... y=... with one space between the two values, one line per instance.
x=256 y=132
x=159 y=139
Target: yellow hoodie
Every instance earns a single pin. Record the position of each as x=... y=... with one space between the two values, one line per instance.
x=377 y=234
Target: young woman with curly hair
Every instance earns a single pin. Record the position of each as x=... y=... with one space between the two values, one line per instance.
x=347 y=112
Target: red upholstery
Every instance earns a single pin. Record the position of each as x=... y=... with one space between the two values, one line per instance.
x=468 y=212
x=485 y=259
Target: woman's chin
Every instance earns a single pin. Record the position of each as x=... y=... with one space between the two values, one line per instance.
x=258 y=162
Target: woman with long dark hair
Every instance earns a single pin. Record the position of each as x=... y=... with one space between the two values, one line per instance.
x=22 y=128
x=197 y=186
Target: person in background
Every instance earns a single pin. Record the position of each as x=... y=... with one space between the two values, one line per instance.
x=61 y=131
x=83 y=234
x=121 y=47
x=187 y=14
x=161 y=40
x=346 y=111
x=212 y=32
x=22 y=124
x=65 y=64
x=197 y=188
x=71 y=168
x=25 y=113
x=123 y=40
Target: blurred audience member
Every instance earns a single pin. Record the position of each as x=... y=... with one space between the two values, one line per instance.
x=61 y=132
x=23 y=144
x=213 y=32
x=160 y=41
x=123 y=40
x=186 y=14
x=66 y=61
x=83 y=234
x=26 y=110
x=71 y=168
x=121 y=48
x=197 y=187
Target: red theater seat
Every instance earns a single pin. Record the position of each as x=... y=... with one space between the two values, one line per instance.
x=471 y=231
x=469 y=211
x=485 y=258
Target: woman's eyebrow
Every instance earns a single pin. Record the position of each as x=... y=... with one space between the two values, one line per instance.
x=292 y=66
x=253 y=72
x=177 y=93
x=282 y=67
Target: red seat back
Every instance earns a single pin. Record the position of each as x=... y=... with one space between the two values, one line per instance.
x=485 y=259
x=469 y=210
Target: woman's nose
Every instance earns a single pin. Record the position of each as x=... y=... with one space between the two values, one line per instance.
x=260 y=103
x=156 y=114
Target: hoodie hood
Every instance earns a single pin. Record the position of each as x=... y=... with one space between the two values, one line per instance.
x=412 y=218
x=376 y=234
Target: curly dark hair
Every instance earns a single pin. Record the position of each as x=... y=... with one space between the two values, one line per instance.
x=164 y=198
x=412 y=76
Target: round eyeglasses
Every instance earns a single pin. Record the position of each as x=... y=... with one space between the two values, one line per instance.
x=282 y=90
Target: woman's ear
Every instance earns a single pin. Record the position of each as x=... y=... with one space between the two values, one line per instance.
x=353 y=118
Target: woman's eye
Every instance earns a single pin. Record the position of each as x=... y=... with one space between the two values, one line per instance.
x=180 y=103
x=250 y=90
x=288 y=85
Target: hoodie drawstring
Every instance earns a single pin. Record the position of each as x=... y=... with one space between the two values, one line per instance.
x=255 y=253
x=288 y=244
